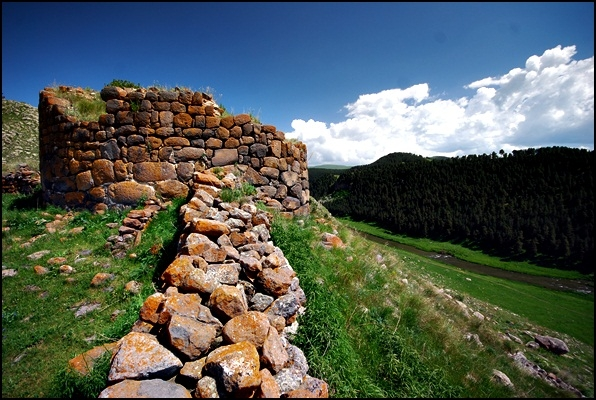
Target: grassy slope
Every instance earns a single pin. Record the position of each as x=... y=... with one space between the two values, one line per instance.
x=365 y=331
x=20 y=141
x=566 y=312
x=40 y=328
x=381 y=329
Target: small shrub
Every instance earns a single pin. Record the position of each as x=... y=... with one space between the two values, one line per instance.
x=229 y=195
x=135 y=105
x=218 y=171
x=248 y=189
x=124 y=84
x=261 y=205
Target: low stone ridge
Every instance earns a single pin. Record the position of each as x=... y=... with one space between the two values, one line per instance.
x=222 y=321
x=133 y=225
x=534 y=369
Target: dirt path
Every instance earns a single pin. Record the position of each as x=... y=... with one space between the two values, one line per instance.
x=546 y=282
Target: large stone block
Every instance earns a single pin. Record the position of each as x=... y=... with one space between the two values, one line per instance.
x=153 y=171
x=172 y=188
x=224 y=157
x=130 y=192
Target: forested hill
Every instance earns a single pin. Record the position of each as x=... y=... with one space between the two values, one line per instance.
x=534 y=205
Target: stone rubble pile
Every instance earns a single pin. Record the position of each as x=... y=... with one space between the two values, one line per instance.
x=222 y=321
x=23 y=180
x=129 y=234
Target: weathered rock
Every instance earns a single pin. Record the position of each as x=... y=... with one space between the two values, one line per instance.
x=285 y=306
x=83 y=363
x=172 y=188
x=277 y=281
x=152 y=172
x=101 y=278
x=552 y=344
x=150 y=388
x=210 y=228
x=236 y=368
x=151 y=308
x=141 y=356
x=225 y=157
x=310 y=388
x=207 y=388
x=192 y=371
x=182 y=274
x=269 y=389
x=332 y=241
x=252 y=326
x=190 y=337
x=208 y=178
x=227 y=302
x=274 y=354
x=501 y=378
x=130 y=192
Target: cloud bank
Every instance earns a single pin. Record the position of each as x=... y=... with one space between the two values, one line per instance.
x=549 y=102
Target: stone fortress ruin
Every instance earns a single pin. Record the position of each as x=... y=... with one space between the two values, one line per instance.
x=151 y=142
x=222 y=321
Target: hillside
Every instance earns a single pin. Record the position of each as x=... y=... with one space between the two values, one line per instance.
x=378 y=323
x=19 y=135
x=534 y=205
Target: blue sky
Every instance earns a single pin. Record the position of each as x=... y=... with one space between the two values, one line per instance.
x=354 y=81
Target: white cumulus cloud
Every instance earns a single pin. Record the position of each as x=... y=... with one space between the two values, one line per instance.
x=549 y=102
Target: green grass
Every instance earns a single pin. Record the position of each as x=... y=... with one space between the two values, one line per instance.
x=369 y=334
x=70 y=384
x=370 y=328
x=566 y=312
x=237 y=194
x=83 y=108
x=464 y=253
x=40 y=331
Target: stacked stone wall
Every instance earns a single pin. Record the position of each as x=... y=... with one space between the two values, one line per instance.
x=223 y=319
x=150 y=143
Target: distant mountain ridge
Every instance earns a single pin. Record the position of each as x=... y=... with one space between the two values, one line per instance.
x=323 y=177
x=331 y=166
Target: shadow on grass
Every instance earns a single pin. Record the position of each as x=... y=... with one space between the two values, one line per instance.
x=168 y=254
x=28 y=201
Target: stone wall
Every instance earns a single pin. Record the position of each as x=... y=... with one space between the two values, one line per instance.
x=150 y=143
x=223 y=319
